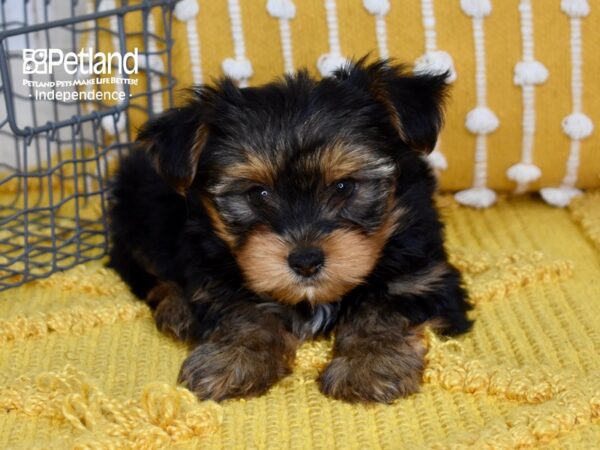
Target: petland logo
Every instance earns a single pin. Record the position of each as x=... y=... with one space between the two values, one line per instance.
x=90 y=76
x=85 y=63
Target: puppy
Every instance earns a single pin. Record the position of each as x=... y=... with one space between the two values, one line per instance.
x=253 y=219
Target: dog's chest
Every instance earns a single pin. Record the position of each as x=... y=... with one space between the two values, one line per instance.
x=316 y=322
x=305 y=321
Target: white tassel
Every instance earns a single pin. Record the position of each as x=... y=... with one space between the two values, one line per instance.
x=481 y=197
x=477 y=9
x=436 y=62
x=577 y=126
x=195 y=51
x=560 y=196
x=529 y=73
x=186 y=10
x=524 y=173
x=91 y=36
x=481 y=120
x=329 y=63
x=284 y=10
x=153 y=62
x=377 y=7
x=109 y=124
x=91 y=43
x=238 y=69
x=281 y=9
x=144 y=62
x=437 y=160
x=575 y=8
x=106 y=5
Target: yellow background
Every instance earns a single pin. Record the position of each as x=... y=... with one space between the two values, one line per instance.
x=406 y=43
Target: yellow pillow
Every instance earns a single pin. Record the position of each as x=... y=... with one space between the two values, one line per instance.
x=512 y=59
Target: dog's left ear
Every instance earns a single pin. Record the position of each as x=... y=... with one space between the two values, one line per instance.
x=174 y=140
x=414 y=101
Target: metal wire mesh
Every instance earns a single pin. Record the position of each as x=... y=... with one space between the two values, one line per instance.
x=56 y=153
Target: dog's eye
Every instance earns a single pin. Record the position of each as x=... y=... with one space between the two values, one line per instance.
x=259 y=194
x=344 y=188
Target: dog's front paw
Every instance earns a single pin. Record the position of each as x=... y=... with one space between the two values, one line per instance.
x=219 y=371
x=374 y=374
x=172 y=315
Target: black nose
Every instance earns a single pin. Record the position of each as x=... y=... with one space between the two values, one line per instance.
x=306 y=261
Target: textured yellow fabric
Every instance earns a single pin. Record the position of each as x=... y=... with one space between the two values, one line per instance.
x=587 y=214
x=82 y=365
x=406 y=42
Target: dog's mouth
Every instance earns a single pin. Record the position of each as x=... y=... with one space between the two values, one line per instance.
x=315 y=290
x=311 y=287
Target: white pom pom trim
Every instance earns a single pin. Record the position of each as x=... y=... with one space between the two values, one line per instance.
x=108 y=123
x=476 y=197
x=481 y=120
x=330 y=62
x=154 y=61
x=281 y=9
x=476 y=8
x=105 y=5
x=437 y=160
x=577 y=126
x=524 y=173
x=530 y=73
x=575 y=8
x=560 y=196
x=436 y=62
x=377 y=7
x=238 y=69
x=186 y=10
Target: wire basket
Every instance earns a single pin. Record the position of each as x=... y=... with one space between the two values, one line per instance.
x=64 y=126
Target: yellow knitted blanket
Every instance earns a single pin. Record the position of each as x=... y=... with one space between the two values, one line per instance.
x=82 y=365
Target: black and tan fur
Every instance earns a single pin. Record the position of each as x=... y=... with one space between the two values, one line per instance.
x=252 y=219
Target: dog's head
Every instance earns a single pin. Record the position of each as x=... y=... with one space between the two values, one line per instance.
x=299 y=176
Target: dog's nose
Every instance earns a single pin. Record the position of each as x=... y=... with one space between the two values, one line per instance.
x=306 y=261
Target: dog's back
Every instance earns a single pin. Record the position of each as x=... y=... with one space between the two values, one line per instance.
x=146 y=221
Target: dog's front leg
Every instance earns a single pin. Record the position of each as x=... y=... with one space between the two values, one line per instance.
x=248 y=351
x=377 y=355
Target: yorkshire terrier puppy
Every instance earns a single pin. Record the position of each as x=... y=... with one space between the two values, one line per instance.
x=253 y=219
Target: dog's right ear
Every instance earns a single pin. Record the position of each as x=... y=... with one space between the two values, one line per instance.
x=414 y=102
x=174 y=140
